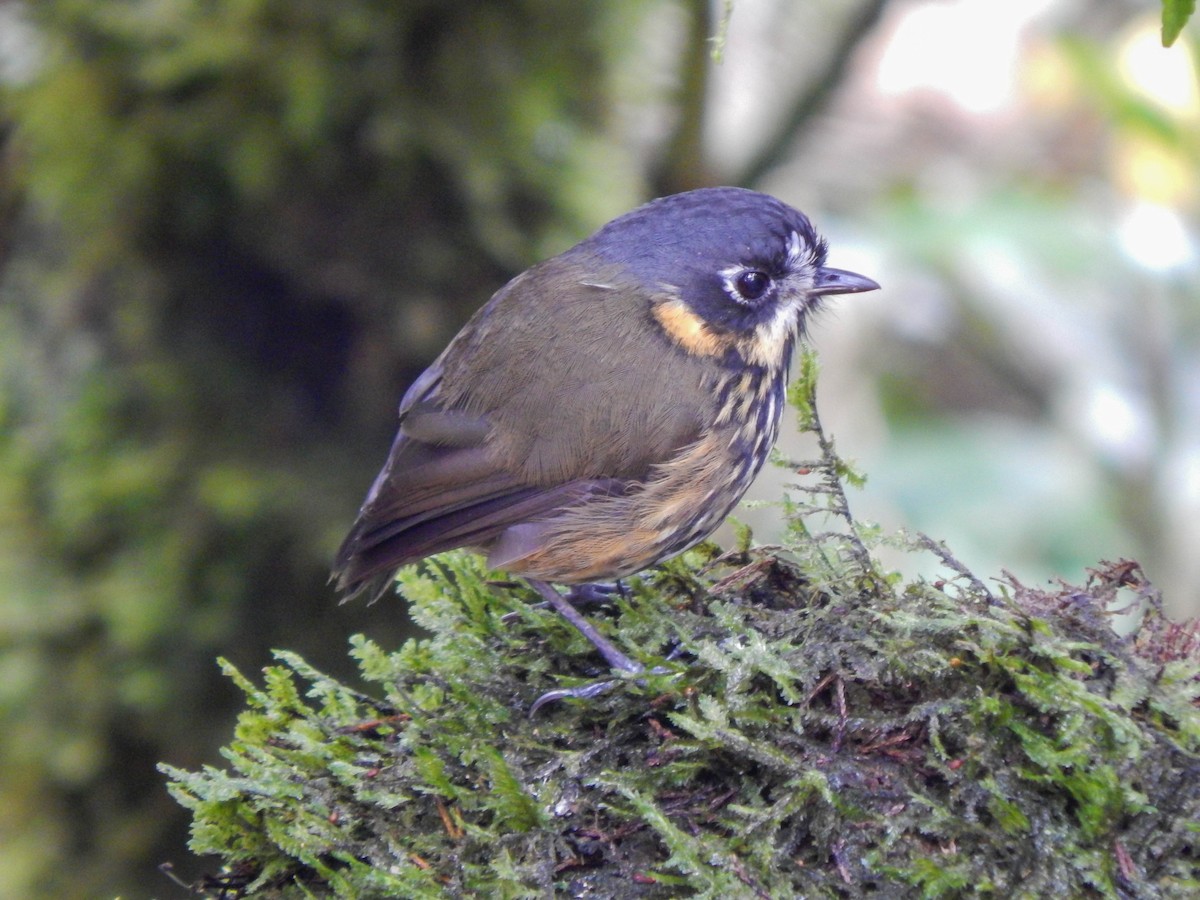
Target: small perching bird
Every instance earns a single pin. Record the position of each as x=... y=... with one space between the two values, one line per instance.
x=607 y=408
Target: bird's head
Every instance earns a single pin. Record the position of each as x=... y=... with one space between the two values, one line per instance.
x=729 y=272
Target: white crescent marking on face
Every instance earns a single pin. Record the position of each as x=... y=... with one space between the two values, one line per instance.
x=794 y=249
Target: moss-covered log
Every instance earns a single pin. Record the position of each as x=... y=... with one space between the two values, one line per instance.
x=815 y=727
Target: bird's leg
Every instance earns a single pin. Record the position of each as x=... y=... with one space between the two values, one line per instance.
x=608 y=650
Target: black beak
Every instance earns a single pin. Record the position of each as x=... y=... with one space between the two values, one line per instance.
x=839 y=281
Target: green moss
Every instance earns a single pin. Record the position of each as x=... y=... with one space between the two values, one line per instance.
x=814 y=727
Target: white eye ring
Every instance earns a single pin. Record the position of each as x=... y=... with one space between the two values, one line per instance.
x=746 y=285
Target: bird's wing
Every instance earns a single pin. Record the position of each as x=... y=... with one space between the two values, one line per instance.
x=442 y=488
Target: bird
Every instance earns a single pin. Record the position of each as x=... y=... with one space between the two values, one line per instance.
x=607 y=408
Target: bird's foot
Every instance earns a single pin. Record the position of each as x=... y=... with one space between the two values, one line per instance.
x=600 y=593
x=608 y=650
x=597 y=593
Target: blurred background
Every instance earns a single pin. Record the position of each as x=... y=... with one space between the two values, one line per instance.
x=232 y=231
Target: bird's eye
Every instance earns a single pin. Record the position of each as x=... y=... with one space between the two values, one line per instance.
x=752 y=284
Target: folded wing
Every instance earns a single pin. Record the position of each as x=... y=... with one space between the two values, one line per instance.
x=442 y=488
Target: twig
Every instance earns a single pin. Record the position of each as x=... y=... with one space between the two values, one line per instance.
x=939 y=550
x=813 y=100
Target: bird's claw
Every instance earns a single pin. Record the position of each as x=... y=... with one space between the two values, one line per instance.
x=585 y=691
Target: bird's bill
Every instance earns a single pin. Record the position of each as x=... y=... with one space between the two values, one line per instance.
x=839 y=281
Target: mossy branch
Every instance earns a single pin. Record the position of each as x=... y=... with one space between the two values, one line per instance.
x=815 y=728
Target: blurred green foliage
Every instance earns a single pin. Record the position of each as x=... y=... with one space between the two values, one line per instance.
x=232 y=231
x=1175 y=15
